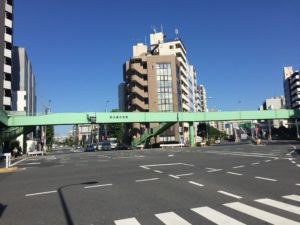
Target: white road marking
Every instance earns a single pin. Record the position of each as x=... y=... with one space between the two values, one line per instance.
x=145 y=167
x=293 y=162
x=165 y=164
x=99 y=185
x=185 y=174
x=170 y=175
x=40 y=193
x=33 y=163
x=298 y=184
x=214 y=170
x=298 y=165
x=129 y=221
x=260 y=214
x=150 y=179
x=157 y=171
x=238 y=174
x=171 y=218
x=280 y=205
x=264 y=178
x=215 y=216
x=292 y=197
x=229 y=194
x=238 y=166
x=17 y=162
x=268 y=160
x=195 y=183
x=256 y=163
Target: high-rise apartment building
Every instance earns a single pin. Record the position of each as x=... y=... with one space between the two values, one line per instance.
x=291 y=85
x=160 y=79
x=6 y=42
x=202 y=98
x=23 y=84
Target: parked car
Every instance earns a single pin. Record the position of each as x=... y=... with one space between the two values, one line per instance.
x=89 y=148
x=106 y=145
x=114 y=144
x=99 y=146
x=122 y=146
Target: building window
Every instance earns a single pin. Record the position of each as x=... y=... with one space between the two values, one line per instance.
x=164 y=87
x=171 y=46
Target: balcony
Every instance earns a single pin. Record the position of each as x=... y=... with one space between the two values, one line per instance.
x=294 y=85
x=7 y=69
x=183 y=88
x=140 y=103
x=8 y=8
x=7 y=84
x=6 y=100
x=7 y=53
x=139 y=92
x=139 y=68
x=8 y=23
x=185 y=107
x=8 y=38
x=138 y=80
x=184 y=98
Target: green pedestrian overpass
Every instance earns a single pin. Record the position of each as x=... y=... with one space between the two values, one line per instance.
x=8 y=121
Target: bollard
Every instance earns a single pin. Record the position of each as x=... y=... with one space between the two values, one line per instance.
x=7 y=159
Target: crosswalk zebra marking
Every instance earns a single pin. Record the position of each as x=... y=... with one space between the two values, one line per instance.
x=229 y=194
x=129 y=221
x=260 y=214
x=292 y=197
x=215 y=216
x=280 y=205
x=171 y=218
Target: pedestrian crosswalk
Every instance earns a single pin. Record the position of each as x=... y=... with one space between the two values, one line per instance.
x=219 y=217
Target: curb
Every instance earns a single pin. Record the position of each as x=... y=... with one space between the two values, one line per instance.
x=8 y=170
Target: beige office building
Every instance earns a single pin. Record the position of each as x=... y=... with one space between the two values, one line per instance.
x=157 y=80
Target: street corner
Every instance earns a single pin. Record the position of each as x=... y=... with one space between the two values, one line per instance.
x=8 y=170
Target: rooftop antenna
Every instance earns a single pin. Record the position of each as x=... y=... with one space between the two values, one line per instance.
x=153 y=29
x=176 y=34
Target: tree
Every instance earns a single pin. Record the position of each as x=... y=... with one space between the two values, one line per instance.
x=116 y=130
x=49 y=135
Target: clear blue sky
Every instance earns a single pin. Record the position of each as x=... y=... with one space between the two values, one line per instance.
x=77 y=48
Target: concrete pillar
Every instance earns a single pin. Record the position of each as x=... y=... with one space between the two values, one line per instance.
x=192 y=133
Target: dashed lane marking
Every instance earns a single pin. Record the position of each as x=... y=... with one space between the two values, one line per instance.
x=268 y=160
x=264 y=178
x=256 y=163
x=96 y=186
x=170 y=175
x=238 y=174
x=144 y=180
x=185 y=174
x=241 y=166
x=157 y=171
x=229 y=194
x=40 y=193
x=195 y=183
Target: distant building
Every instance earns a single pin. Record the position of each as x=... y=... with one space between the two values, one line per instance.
x=277 y=102
x=23 y=85
x=6 y=43
x=291 y=88
x=202 y=98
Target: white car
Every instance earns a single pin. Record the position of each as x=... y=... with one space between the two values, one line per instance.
x=114 y=145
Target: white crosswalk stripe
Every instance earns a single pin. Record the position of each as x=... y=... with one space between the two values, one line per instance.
x=171 y=218
x=280 y=205
x=129 y=221
x=292 y=197
x=215 y=216
x=260 y=214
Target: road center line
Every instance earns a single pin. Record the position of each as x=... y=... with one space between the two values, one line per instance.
x=264 y=178
x=158 y=171
x=229 y=194
x=185 y=174
x=150 y=179
x=40 y=193
x=195 y=183
x=170 y=175
x=238 y=174
x=100 y=185
x=238 y=166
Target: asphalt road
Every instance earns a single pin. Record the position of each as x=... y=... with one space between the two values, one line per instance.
x=229 y=184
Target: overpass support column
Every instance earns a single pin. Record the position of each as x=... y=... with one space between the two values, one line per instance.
x=192 y=134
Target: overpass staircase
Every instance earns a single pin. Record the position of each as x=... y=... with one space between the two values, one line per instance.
x=152 y=133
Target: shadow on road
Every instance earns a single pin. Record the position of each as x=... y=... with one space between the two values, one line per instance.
x=2 y=208
x=64 y=203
